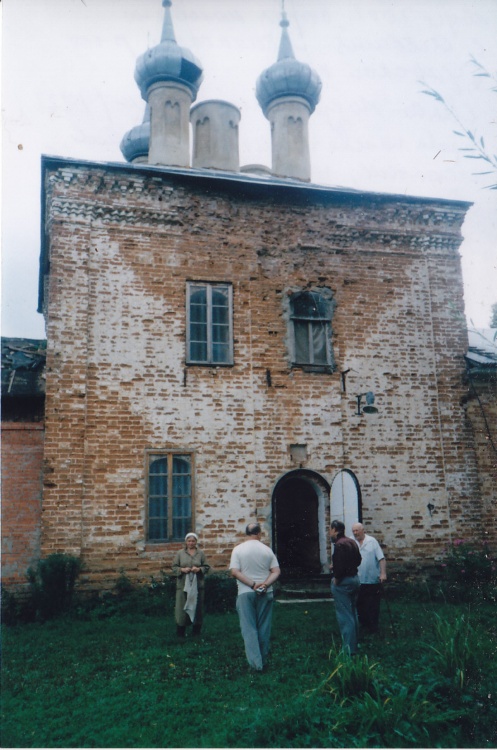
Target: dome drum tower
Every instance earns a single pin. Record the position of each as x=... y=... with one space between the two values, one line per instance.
x=215 y=135
x=289 y=119
x=169 y=124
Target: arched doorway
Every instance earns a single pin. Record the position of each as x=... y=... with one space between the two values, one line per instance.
x=345 y=500
x=299 y=536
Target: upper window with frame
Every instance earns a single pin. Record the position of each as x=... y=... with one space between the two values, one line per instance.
x=209 y=323
x=310 y=315
x=169 y=496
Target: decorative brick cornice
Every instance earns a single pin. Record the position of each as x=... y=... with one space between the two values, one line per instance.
x=369 y=238
x=91 y=212
x=129 y=197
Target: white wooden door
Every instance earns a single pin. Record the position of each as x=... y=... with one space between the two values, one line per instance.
x=345 y=503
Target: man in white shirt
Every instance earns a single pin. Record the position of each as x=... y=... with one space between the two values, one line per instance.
x=372 y=573
x=256 y=568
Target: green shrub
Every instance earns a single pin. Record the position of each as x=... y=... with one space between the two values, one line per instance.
x=157 y=598
x=11 y=607
x=399 y=717
x=350 y=676
x=123 y=584
x=469 y=571
x=457 y=652
x=220 y=593
x=52 y=584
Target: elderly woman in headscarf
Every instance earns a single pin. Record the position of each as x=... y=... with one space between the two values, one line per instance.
x=189 y=567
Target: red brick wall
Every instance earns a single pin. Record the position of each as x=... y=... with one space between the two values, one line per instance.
x=482 y=414
x=22 y=457
x=123 y=246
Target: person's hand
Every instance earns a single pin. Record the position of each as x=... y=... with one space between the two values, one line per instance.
x=383 y=577
x=195 y=569
x=186 y=570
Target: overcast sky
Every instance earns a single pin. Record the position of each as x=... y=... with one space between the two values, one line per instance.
x=69 y=90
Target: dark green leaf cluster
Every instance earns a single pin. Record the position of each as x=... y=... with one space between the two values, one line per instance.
x=52 y=584
x=469 y=572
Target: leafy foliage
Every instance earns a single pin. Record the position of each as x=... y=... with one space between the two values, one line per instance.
x=469 y=572
x=350 y=676
x=457 y=649
x=476 y=147
x=52 y=584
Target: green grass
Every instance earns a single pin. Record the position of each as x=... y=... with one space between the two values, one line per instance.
x=126 y=681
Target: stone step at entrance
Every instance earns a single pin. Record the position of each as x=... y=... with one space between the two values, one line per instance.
x=310 y=588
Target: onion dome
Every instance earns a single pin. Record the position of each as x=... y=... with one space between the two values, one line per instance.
x=288 y=76
x=168 y=61
x=136 y=142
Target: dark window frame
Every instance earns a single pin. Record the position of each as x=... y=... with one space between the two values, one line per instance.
x=171 y=520
x=318 y=316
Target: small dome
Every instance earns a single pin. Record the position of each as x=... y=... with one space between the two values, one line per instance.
x=288 y=76
x=135 y=143
x=168 y=61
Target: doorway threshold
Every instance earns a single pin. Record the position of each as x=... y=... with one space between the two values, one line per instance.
x=303 y=601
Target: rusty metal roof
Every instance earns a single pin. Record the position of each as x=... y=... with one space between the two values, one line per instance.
x=23 y=367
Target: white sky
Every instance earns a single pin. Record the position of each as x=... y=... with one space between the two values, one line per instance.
x=69 y=90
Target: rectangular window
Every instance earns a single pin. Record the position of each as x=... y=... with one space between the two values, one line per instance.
x=310 y=314
x=169 y=496
x=209 y=323
x=311 y=342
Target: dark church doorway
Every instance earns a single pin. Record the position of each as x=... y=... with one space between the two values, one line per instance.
x=296 y=526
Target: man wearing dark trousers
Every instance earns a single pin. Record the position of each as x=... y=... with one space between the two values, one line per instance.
x=345 y=585
x=372 y=574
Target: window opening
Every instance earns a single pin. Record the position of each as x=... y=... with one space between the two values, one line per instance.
x=169 y=496
x=209 y=324
x=310 y=313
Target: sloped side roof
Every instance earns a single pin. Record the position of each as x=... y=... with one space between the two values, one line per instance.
x=482 y=351
x=23 y=367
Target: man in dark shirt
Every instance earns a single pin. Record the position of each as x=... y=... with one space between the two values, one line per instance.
x=345 y=584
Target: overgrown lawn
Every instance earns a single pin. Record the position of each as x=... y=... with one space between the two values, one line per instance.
x=127 y=681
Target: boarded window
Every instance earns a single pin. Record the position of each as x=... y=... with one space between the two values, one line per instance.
x=310 y=315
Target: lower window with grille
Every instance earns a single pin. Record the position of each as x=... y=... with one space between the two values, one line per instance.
x=169 y=496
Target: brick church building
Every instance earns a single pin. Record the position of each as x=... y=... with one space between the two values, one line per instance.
x=230 y=343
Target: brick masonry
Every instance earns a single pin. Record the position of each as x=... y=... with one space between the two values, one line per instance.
x=121 y=245
x=22 y=458
x=482 y=415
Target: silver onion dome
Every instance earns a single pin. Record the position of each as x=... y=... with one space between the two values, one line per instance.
x=288 y=76
x=168 y=61
x=136 y=142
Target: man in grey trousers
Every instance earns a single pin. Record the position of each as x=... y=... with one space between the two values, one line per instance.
x=345 y=585
x=256 y=568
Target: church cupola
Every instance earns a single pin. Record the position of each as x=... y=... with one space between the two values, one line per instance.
x=169 y=77
x=288 y=92
x=136 y=142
